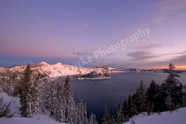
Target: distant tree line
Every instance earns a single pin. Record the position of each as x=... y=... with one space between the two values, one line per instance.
x=156 y=98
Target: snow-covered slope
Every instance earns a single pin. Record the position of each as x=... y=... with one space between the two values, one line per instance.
x=60 y=69
x=25 y=121
x=14 y=108
x=175 y=117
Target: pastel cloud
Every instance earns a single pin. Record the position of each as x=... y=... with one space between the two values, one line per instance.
x=167 y=8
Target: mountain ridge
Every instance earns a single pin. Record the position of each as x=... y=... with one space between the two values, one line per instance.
x=60 y=69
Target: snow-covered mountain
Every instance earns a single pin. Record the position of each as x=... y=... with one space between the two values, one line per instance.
x=60 y=69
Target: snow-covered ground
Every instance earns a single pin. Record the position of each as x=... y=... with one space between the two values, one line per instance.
x=15 y=104
x=175 y=117
x=25 y=121
x=14 y=107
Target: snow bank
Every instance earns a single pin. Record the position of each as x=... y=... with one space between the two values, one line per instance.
x=43 y=117
x=26 y=121
x=175 y=117
x=15 y=104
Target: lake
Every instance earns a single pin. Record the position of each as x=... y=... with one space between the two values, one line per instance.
x=97 y=93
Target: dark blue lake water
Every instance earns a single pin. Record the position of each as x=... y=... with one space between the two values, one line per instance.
x=97 y=93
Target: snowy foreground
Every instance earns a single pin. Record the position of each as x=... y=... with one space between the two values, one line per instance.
x=14 y=107
x=26 y=121
x=175 y=117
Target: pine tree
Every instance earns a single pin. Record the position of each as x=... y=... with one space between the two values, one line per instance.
x=168 y=102
x=11 y=84
x=37 y=93
x=61 y=104
x=31 y=93
x=1 y=86
x=50 y=98
x=159 y=100
x=131 y=107
x=139 y=98
x=150 y=107
x=81 y=117
x=8 y=82
x=173 y=87
x=70 y=106
x=107 y=118
x=119 y=119
x=54 y=102
x=151 y=93
x=171 y=79
x=92 y=119
x=125 y=111
x=24 y=92
x=59 y=108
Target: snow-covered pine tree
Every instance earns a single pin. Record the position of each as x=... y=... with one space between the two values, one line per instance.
x=173 y=87
x=11 y=83
x=131 y=107
x=1 y=86
x=29 y=101
x=159 y=100
x=81 y=113
x=140 y=98
x=151 y=93
x=8 y=81
x=150 y=107
x=59 y=108
x=107 y=118
x=61 y=104
x=70 y=106
x=11 y=88
x=30 y=90
x=37 y=92
x=50 y=99
x=85 y=116
x=119 y=118
x=24 y=92
x=125 y=111
x=169 y=103
x=92 y=119
x=172 y=77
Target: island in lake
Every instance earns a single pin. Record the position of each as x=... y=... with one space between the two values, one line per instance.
x=94 y=76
